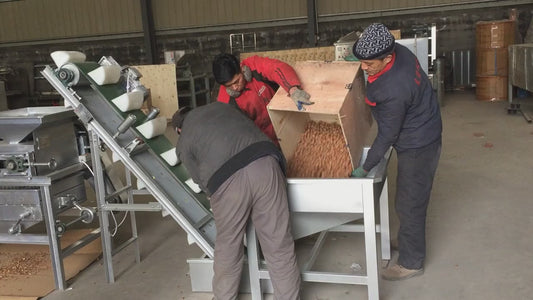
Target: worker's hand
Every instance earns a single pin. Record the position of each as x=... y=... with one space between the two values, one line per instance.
x=300 y=97
x=359 y=173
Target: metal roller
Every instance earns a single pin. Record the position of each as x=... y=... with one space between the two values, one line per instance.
x=70 y=75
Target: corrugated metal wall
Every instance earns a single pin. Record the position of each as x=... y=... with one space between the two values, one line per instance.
x=32 y=20
x=171 y=14
x=36 y=20
x=329 y=7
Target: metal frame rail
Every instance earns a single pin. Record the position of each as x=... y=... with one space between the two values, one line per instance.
x=101 y=119
x=520 y=75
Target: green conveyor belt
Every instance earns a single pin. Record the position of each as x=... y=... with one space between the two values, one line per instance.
x=157 y=144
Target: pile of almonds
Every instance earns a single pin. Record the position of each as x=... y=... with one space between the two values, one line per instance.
x=25 y=264
x=321 y=153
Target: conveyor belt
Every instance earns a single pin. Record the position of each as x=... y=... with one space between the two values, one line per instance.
x=92 y=103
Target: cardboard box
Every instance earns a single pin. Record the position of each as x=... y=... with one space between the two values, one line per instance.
x=161 y=80
x=338 y=90
x=491 y=88
x=495 y=34
x=492 y=62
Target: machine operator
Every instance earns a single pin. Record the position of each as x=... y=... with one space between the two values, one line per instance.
x=251 y=84
x=406 y=110
x=242 y=171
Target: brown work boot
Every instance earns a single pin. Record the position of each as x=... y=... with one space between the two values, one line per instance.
x=397 y=272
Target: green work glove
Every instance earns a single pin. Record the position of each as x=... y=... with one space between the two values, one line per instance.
x=359 y=173
x=300 y=97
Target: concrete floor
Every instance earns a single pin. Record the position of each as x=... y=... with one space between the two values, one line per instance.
x=479 y=244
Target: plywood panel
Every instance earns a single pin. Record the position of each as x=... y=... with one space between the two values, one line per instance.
x=326 y=82
x=291 y=56
x=337 y=88
x=161 y=80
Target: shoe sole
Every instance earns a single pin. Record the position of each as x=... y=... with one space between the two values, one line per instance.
x=418 y=273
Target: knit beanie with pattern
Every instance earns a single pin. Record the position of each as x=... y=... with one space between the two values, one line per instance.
x=375 y=41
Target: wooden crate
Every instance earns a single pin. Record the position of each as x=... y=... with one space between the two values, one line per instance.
x=338 y=90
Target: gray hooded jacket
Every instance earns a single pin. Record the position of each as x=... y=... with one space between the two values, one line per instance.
x=217 y=140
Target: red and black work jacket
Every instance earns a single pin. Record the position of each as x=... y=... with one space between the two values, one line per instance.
x=267 y=76
x=404 y=105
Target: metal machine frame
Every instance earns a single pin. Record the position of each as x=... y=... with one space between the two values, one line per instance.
x=520 y=75
x=311 y=214
x=101 y=120
x=354 y=199
x=41 y=180
x=365 y=194
x=52 y=238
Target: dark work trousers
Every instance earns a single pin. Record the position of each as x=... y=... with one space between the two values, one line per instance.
x=416 y=170
x=257 y=192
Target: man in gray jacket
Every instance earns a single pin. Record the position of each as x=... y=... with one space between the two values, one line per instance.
x=243 y=173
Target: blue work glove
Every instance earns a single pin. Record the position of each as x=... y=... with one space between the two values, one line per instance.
x=300 y=97
x=359 y=173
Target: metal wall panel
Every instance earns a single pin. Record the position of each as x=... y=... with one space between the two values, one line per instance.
x=54 y=19
x=170 y=14
x=330 y=7
x=42 y=20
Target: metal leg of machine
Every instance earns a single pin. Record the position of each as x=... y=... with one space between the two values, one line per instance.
x=366 y=187
x=100 y=198
x=253 y=263
x=370 y=244
x=106 y=209
x=134 y=234
x=94 y=107
x=384 y=225
x=50 y=239
x=520 y=75
x=49 y=216
x=55 y=255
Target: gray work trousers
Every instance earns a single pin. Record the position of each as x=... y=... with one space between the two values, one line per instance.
x=416 y=170
x=257 y=192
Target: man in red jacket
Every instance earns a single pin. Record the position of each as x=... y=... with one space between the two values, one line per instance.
x=250 y=86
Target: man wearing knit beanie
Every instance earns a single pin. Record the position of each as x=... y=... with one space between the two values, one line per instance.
x=406 y=110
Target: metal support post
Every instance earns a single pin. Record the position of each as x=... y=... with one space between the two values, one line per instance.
x=370 y=241
x=134 y=233
x=192 y=89
x=253 y=263
x=149 y=31
x=53 y=239
x=312 y=23
x=208 y=89
x=99 y=188
x=384 y=221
